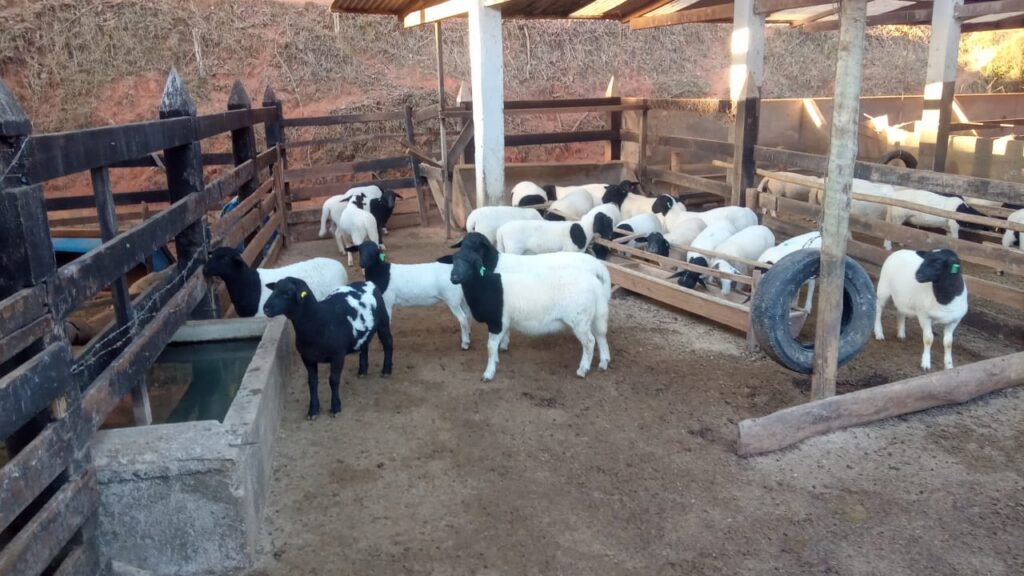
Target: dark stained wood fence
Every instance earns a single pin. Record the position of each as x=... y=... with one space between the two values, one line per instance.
x=53 y=397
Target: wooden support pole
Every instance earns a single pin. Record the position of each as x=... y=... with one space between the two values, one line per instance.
x=940 y=83
x=275 y=136
x=641 y=160
x=414 y=165
x=791 y=425
x=745 y=77
x=243 y=140
x=441 y=104
x=185 y=176
x=122 y=300
x=835 y=221
x=486 y=66
x=613 y=148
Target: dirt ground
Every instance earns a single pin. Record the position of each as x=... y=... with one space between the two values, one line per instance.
x=631 y=471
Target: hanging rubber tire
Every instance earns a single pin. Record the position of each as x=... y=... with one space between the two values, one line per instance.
x=907 y=158
x=770 y=306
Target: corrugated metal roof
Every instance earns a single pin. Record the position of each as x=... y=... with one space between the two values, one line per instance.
x=822 y=14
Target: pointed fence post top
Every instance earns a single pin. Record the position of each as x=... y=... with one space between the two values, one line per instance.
x=239 y=98
x=613 y=88
x=465 y=94
x=269 y=98
x=176 y=101
x=13 y=120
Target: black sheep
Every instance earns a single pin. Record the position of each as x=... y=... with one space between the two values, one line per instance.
x=381 y=209
x=327 y=331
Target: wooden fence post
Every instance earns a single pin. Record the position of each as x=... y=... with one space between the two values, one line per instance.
x=275 y=136
x=613 y=148
x=745 y=77
x=410 y=137
x=185 y=176
x=243 y=140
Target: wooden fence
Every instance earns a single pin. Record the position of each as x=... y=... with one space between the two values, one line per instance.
x=54 y=396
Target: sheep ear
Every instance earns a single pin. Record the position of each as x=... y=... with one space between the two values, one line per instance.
x=449 y=259
x=271 y=286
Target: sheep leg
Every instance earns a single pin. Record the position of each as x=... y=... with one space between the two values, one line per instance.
x=504 y=342
x=460 y=315
x=337 y=364
x=881 y=299
x=927 y=337
x=493 y=340
x=314 y=398
x=947 y=343
x=339 y=239
x=586 y=338
x=600 y=328
x=954 y=228
x=386 y=341
x=901 y=325
x=364 y=359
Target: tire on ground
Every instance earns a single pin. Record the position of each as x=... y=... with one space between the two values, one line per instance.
x=770 y=306
x=907 y=158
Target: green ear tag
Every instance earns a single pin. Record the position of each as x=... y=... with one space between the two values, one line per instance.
x=482 y=270
x=954 y=269
x=382 y=257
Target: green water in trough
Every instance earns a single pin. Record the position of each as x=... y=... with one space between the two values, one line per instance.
x=191 y=382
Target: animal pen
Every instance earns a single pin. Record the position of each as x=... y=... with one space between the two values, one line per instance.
x=57 y=392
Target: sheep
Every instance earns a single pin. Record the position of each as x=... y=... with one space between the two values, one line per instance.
x=1011 y=237
x=488 y=219
x=738 y=216
x=898 y=215
x=669 y=210
x=748 y=243
x=862 y=208
x=541 y=237
x=527 y=193
x=381 y=209
x=787 y=189
x=646 y=223
x=332 y=208
x=631 y=203
x=776 y=253
x=685 y=232
x=413 y=285
x=929 y=285
x=714 y=234
x=535 y=303
x=328 y=330
x=246 y=285
x=574 y=205
x=358 y=225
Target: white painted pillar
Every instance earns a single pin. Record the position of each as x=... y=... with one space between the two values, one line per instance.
x=940 y=83
x=487 y=68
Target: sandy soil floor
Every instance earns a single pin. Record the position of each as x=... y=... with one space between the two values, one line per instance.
x=631 y=471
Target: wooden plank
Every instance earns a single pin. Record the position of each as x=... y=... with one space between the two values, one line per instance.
x=29 y=388
x=237 y=233
x=767 y=7
x=669 y=263
x=33 y=468
x=459 y=145
x=690 y=181
x=39 y=542
x=968 y=11
x=227 y=184
x=157 y=161
x=120 y=199
x=415 y=165
x=949 y=184
x=343 y=168
x=231 y=218
x=260 y=240
x=84 y=558
x=335 y=119
x=347 y=140
x=542 y=138
x=940 y=84
x=311 y=192
x=791 y=425
x=268 y=157
x=131 y=364
x=722 y=13
x=721 y=311
x=22 y=308
x=26 y=256
x=214 y=124
x=13 y=342
x=243 y=138
x=108 y=229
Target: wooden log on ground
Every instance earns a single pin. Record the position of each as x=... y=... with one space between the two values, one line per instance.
x=791 y=425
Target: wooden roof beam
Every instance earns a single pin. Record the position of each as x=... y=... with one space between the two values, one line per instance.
x=1005 y=24
x=896 y=17
x=968 y=11
x=709 y=14
x=435 y=13
x=767 y=7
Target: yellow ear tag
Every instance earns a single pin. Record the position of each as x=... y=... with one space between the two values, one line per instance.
x=303 y=294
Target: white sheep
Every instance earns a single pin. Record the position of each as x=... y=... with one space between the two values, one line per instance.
x=672 y=243
x=486 y=220
x=247 y=286
x=414 y=285
x=738 y=216
x=1011 y=237
x=355 y=226
x=534 y=303
x=776 y=253
x=786 y=189
x=928 y=285
x=748 y=243
x=863 y=208
x=898 y=215
x=670 y=211
x=573 y=205
x=527 y=193
x=715 y=233
x=542 y=237
x=646 y=223
x=332 y=208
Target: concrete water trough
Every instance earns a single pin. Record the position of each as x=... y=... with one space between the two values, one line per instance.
x=187 y=496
